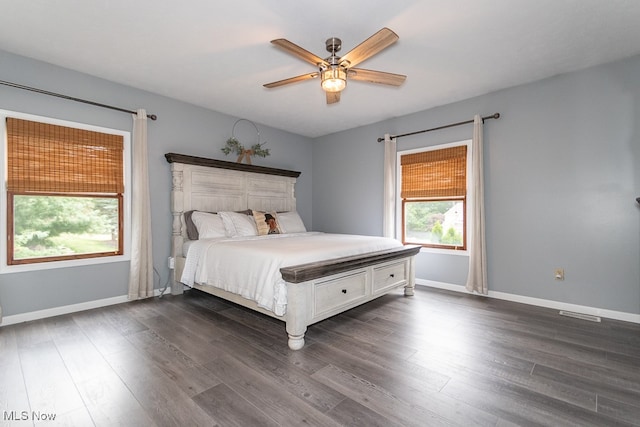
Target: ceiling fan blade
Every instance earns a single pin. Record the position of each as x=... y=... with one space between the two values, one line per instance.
x=301 y=53
x=379 y=77
x=290 y=80
x=333 y=97
x=374 y=44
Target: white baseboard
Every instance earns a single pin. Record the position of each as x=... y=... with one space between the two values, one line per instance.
x=73 y=308
x=594 y=311
x=600 y=312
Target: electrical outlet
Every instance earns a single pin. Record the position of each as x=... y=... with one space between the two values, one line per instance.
x=559 y=274
x=171 y=262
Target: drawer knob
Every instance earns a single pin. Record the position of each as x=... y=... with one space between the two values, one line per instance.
x=392 y=275
x=344 y=291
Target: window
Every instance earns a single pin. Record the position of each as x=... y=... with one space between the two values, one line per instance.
x=433 y=193
x=65 y=192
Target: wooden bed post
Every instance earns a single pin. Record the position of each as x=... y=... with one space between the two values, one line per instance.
x=298 y=310
x=410 y=287
x=177 y=208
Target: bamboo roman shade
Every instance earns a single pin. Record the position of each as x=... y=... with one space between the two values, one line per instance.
x=56 y=159
x=435 y=173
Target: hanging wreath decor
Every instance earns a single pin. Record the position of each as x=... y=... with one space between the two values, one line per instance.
x=234 y=146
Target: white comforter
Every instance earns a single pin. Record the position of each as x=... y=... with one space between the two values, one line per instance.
x=250 y=266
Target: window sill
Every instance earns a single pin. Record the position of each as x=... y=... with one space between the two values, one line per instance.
x=444 y=251
x=8 y=269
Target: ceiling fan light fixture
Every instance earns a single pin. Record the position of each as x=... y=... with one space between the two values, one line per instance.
x=334 y=79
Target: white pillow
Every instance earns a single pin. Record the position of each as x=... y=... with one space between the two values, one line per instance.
x=238 y=224
x=209 y=225
x=290 y=222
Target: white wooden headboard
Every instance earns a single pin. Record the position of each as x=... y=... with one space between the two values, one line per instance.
x=214 y=185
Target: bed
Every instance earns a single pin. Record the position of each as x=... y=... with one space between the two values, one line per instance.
x=315 y=275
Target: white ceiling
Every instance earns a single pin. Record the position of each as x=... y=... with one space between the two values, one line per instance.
x=217 y=54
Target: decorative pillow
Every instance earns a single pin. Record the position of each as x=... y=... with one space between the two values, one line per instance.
x=208 y=225
x=290 y=222
x=192 y=230
x=266 y=223
x=239 y=224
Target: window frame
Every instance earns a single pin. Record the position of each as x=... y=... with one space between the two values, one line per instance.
x=400 y=229
x=47 y=263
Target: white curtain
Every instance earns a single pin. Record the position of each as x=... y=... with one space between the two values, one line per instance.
x=141 y=270
x=477 y=279
x=389 y=223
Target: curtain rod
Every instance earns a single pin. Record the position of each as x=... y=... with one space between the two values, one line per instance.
x=45 y=92
x=493 y=116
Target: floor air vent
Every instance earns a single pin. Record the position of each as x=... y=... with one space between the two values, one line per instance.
x=582 y=316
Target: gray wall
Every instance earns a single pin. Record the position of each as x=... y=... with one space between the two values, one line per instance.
x=561 y=178
x=562 y=171
x=180 y=128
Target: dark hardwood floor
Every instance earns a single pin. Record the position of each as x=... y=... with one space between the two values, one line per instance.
x=437 y=358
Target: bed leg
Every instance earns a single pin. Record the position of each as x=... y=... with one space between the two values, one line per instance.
x=296 y=342
x=296 y=333
x=298 y=311
x=410 y=287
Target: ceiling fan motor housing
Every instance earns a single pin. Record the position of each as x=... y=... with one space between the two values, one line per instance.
x=334 y=45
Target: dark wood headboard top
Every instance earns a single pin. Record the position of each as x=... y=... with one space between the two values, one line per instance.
x=202 y=161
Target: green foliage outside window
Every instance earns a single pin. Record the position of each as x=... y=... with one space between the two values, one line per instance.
x=452 y=237
x=436 y=231
x=55 y=225
x=424 y=223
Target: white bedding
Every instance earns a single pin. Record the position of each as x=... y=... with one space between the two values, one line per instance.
x=250 y=266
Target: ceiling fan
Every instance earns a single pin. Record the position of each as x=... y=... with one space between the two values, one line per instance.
x=335 y=70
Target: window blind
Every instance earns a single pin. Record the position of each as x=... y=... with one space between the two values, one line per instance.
x=435 y=173
x=47 y=158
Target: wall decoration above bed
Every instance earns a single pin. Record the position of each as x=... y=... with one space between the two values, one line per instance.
x=226 y=212
x=233 y=145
